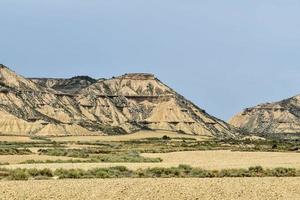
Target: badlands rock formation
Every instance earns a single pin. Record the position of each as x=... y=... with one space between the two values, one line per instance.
x=280 y=118
x=84 y=106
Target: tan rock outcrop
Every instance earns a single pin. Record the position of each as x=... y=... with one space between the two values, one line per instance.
x=83 y=106
x=270 y=119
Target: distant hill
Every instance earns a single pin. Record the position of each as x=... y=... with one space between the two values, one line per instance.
x=83 y=106
x=278 y=119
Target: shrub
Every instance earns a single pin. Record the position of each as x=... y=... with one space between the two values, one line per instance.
x=19 y=174
x=256 y=171
x=122 y=172
x=186 y=168
x=6 y=163
x=283 y=172
x=14 y=151
x=69 y=173
x=201 y=173
x=165 y=137
x=76 y=153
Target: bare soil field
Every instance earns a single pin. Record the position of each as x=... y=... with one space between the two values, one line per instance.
x=16 y=139
x=205 y=159
x=230 y=159
x=154 y=189
x=134 y=136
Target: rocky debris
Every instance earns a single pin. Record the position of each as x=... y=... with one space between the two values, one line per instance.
x=82 y=105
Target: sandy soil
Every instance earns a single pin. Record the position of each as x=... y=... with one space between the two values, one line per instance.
x=17 y=139
x=229 y=159
x=203 y=159
x=153 y=189
x=138 y=135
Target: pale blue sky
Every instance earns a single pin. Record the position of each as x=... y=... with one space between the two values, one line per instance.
x=222 y=55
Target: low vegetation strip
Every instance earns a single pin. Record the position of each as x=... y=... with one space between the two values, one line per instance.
x=94 y=155
x=4 y=163
x=120 y=158
x=182 y=171
x=167 y=144
x=14 y=151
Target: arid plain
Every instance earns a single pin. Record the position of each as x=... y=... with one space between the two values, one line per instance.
x=133 y=137
x=213 y=158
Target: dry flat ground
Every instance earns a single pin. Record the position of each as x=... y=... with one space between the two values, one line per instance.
x=230 y=159
x=153 y=189
x=134 y=136
x=16 y=139
x=204 y=159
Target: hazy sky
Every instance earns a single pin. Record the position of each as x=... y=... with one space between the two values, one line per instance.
x=224 y=55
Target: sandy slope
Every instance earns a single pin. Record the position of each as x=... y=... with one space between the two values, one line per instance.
x=152 y=189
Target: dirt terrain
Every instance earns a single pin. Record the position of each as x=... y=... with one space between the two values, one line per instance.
x=15 y=139
x=205 y=159
x=153 y=189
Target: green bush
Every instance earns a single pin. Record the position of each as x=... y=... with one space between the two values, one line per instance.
x=186 y=168
x=19 y=174
x=201 y=173
x=76 y=153
x=183 y=171
x=165 y=137
x=6 y=163
x=69 y=173
x=282 y=172
x=132 y=157
x=14 y=151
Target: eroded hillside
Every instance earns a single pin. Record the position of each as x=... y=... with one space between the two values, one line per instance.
x=271 y=119
x=82 y=106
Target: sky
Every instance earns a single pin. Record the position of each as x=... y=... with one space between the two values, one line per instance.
x=222 y=55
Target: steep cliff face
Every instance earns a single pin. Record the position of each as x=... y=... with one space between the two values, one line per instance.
x=279 y=118
x=83 y=106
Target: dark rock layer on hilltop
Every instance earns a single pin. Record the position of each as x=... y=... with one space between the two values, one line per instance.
x=68 y=86
x=84 y=106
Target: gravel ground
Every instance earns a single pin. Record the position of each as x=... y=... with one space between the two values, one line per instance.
x=152 y=189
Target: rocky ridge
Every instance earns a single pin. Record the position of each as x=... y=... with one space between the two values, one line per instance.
x=280 y=118
x=84 y=106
